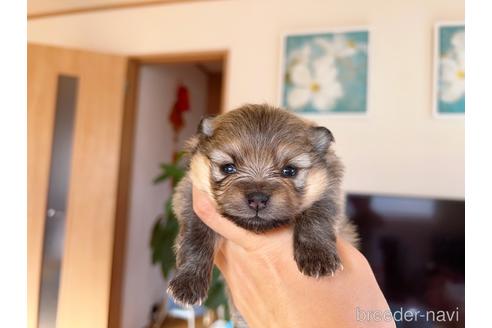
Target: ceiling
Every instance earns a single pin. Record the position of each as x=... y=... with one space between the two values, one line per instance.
x=43 y=8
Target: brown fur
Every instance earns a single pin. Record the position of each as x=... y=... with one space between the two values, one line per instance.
x=260 y=141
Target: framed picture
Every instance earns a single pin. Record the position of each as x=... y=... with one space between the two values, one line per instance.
x=325 y=72
x=449 y=70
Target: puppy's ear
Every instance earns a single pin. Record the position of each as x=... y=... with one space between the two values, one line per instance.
x=321 y=139
x=206 y=126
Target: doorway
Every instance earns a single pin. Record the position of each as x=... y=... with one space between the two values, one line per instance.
x=159 y=84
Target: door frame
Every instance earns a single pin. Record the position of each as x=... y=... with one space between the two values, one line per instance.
x=188 y=58
x=127 y=153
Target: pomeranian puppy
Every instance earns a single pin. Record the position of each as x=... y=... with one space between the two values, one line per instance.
x=264 y=168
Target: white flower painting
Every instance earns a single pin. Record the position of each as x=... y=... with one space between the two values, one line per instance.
x=318 y=86
x=325 y=72
x=450 y=84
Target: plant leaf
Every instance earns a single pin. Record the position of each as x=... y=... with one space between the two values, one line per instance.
x=170 y=171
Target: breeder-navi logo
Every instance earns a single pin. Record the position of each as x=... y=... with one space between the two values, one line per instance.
x=410 y=315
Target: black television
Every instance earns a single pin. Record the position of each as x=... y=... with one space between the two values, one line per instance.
x=416 y=248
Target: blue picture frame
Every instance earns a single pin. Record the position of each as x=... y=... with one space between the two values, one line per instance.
x=326 y=72
x=449 y=70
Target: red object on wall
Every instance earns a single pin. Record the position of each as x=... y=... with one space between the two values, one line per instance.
x=181 y=105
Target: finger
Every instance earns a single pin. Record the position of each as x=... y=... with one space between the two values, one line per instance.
x=351 y=258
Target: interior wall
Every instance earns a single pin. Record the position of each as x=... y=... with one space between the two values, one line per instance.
x=398 y=149
x=143 y=284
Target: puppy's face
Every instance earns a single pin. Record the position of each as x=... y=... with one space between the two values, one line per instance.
x=266 y=165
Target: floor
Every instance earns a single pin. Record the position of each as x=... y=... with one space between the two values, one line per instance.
x=178 y=323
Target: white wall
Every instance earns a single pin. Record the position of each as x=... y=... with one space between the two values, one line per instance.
x=400 y=148
x=143 y=283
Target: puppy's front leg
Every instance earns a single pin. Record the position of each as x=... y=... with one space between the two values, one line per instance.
x=315 y=249
x=194 y=261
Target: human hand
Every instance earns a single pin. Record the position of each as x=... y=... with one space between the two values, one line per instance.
x=268 y=289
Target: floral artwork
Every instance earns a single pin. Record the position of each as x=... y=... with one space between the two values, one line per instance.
x=326 y=72
x=450 y=84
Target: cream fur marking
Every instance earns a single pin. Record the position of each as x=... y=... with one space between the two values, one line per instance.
x=200 y=173
x=220 y=157
x=302 y=161
x=316 y=183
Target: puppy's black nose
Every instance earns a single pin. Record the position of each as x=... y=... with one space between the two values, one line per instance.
x=257 y=200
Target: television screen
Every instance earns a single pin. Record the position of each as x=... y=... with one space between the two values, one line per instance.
x=416 y=248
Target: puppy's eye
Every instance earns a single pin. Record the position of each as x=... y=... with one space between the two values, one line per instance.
x=228 y=168
x=289 y=171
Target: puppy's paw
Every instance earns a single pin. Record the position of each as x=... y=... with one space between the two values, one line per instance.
x=188 y=289
x=317 y=260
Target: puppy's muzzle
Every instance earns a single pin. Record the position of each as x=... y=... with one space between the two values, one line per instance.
x=257 y=200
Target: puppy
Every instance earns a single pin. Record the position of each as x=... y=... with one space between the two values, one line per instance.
x=264 y=168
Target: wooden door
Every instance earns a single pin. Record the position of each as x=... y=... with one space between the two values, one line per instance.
x=91 y=210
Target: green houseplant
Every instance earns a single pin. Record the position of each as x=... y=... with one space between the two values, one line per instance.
x=164 y=233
